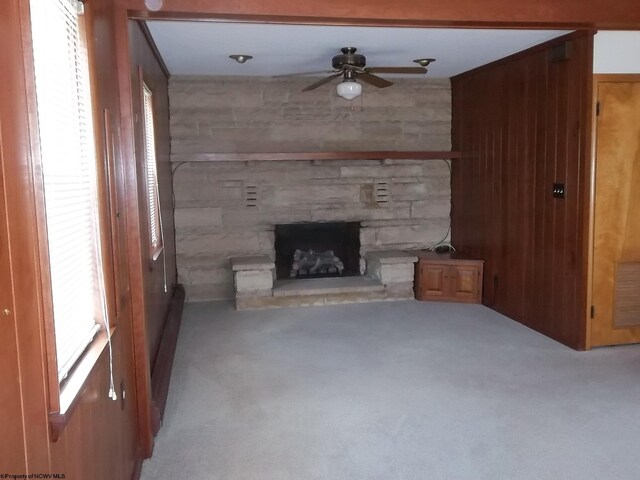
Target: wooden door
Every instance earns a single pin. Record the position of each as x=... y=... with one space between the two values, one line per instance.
x=616 y=234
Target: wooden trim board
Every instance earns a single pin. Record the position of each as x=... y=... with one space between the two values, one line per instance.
x=285 y=156
x=161 y=374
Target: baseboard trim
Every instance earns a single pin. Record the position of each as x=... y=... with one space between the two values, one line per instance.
x=161 y=374
x=137 y=469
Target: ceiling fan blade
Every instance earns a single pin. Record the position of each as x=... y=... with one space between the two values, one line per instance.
x=416 y=70
x=301 y=74
x=313 y=86
x=374 y=80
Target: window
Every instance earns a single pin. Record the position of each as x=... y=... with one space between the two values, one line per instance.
x=153 y=196
x=69 y=173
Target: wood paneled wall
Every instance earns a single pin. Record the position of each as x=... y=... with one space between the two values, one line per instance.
x=143 y=58
x=23 y=417
x=523 y=124
x=99 y=439
x=145 y=65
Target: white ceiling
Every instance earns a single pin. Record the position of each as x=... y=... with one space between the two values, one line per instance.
x=203 y=48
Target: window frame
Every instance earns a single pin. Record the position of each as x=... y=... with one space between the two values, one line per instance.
x=152 y=189
x=64 y=396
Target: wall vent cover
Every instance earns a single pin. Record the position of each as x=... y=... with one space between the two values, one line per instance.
x=381 y=192
x=250 y=196
x=626 y=310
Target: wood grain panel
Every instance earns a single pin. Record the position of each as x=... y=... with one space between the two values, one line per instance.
x=620 y=14
x=434 y=282
x=125 y=435
x=10 y=395
x=134 y=246
x=616 y=233
x=149 y=284
x=19 y=242
x=157 y=301
x=99 y=438
x=161 y=374
x=521 y=125
x=93 y=442
x=466 y=281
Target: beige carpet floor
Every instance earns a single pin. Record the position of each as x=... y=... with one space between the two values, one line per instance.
x=397 y=390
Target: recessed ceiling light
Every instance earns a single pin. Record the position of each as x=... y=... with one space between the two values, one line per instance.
x=240 y=58
x=424 y=61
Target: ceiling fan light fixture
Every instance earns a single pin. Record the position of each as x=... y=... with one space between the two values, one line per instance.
x=153 y=5
x=423 y=62
x=349 y=89
x=240 y=58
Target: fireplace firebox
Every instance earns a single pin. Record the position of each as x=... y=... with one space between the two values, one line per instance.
x=312 y=250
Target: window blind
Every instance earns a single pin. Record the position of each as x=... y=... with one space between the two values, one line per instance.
x=69 y=173
x=153 y=198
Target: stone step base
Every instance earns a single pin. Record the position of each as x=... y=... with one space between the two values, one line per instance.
x=252 y=303
x=326 y=286
x=389 y=277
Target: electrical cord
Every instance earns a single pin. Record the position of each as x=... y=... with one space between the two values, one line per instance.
x=173 y=206
x=173 y=195
x=112 y=389
x=443 y=242
x=164 y=252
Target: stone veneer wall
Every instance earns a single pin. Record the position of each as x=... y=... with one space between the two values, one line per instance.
x=230 y=209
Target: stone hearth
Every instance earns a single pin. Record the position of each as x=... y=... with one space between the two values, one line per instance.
x=389 y=276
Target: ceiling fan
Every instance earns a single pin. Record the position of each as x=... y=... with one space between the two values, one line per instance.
x=351 y=66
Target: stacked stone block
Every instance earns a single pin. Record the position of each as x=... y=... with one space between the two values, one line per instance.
x=253 y=114
x=394 y=269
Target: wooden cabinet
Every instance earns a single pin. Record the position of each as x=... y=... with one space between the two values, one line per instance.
x=448 y=277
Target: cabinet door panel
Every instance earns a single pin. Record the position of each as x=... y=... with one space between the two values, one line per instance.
x=435 y=280
x=465 y=281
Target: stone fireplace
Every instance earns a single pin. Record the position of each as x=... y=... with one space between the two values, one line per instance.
x=227 y=209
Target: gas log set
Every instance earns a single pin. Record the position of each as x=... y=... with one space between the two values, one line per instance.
x=313 y=264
